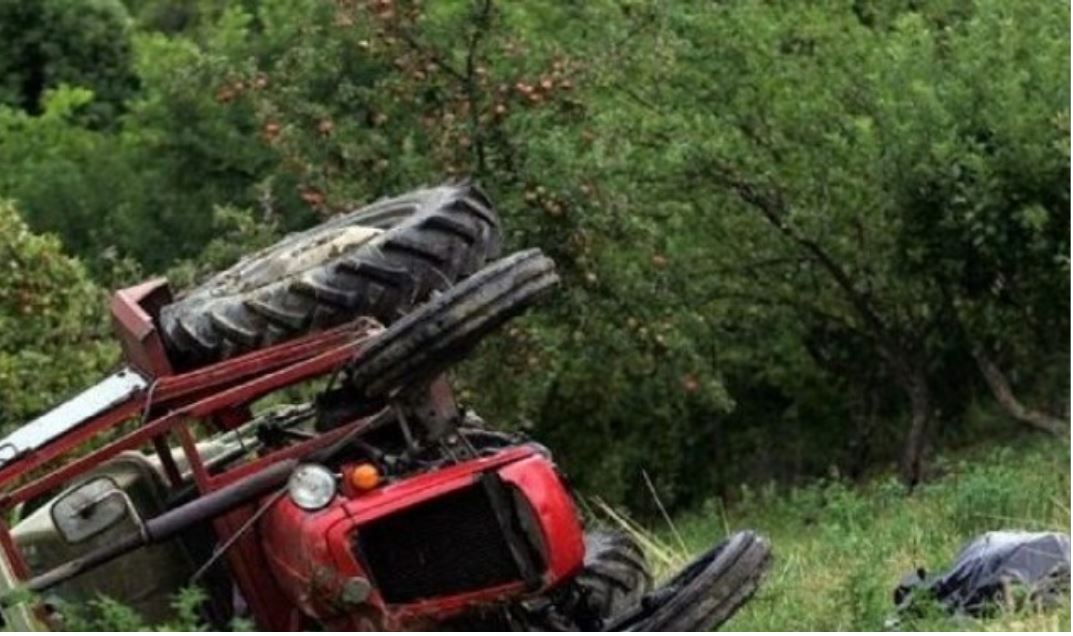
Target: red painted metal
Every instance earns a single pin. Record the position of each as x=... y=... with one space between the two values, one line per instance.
x=133 y=313
x=554 y=507
x=248 y=565
x=308 y=358
x=311 y=557
x=210 y=379
x=34 y=461
x=309 y=554
x=18 y=564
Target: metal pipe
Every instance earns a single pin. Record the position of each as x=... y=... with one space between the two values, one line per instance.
x=167 y=525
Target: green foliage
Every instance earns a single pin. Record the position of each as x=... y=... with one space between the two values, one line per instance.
x=56 y=170
x=800 y=145
x=237 y=233
x=774 y=222
x=106 y=614
x=84 y=43
x=53 y=334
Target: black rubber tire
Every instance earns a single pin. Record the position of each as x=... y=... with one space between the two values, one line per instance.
x=614 y=579
x=709 y=591
x=442 y=331
x=378 y=261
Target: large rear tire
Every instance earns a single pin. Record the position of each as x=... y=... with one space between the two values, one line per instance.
x=378 y=261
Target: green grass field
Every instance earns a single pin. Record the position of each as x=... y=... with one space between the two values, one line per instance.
x=840 y=550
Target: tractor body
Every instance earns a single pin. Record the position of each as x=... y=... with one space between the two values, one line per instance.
x=464 y=528
x=374 y=504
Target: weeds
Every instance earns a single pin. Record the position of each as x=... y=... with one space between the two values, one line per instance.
x=840 y=549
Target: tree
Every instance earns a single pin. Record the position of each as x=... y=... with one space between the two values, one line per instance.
x=814 y=141
x=792 y=237
x=54 y=338
x=83 y=43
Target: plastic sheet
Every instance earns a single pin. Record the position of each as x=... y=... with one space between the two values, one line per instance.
x=988 y=570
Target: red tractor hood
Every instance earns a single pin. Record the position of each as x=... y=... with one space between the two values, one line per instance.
x=417 y=551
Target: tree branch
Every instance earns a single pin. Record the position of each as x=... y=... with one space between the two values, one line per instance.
x=996 y=380
x=773 y=209
x=482 y=20
x=1000 y=388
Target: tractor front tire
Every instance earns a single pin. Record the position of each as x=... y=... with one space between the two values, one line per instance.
x=378 y=261
x=708 y=591
x=441 y=332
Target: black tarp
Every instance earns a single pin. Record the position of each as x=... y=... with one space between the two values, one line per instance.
x=990 y=567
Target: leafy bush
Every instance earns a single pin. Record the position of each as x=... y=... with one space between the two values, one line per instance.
x=108 y=615
x=54 y=338
x=48 y=43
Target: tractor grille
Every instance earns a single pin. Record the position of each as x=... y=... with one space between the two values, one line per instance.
x=449 y=545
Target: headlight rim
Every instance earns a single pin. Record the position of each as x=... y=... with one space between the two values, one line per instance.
x=304 y=494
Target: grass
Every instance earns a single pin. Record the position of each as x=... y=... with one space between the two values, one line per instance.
x=840 y=549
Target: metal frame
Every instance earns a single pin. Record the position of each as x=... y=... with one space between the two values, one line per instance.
x=218 y=394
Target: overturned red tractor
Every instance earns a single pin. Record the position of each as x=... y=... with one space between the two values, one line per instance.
x=375 y=502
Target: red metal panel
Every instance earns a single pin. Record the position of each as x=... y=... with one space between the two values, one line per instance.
x=134 y=311
x=246 y=562
x=560 y=523
x=310 y=553
x=197 y=467
x=14 y=556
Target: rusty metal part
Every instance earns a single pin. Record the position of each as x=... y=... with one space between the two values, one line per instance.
x=432 y=405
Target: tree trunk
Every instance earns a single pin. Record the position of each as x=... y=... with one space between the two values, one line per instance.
x=864 y=412
x=1000 y=388
x=916 y=438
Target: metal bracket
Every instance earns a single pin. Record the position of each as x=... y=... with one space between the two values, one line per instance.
x=432 y=406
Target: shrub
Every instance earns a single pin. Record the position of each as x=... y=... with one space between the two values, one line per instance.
x=54 y=337
x=47 y=43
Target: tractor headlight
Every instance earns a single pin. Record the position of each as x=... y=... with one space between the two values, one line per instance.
x=311 y=486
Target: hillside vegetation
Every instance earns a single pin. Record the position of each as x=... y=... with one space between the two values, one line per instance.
x=840 y=549
x=791 y=235
x=795 y=239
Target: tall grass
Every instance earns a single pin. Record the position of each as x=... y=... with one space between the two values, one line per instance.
x=840 y=549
